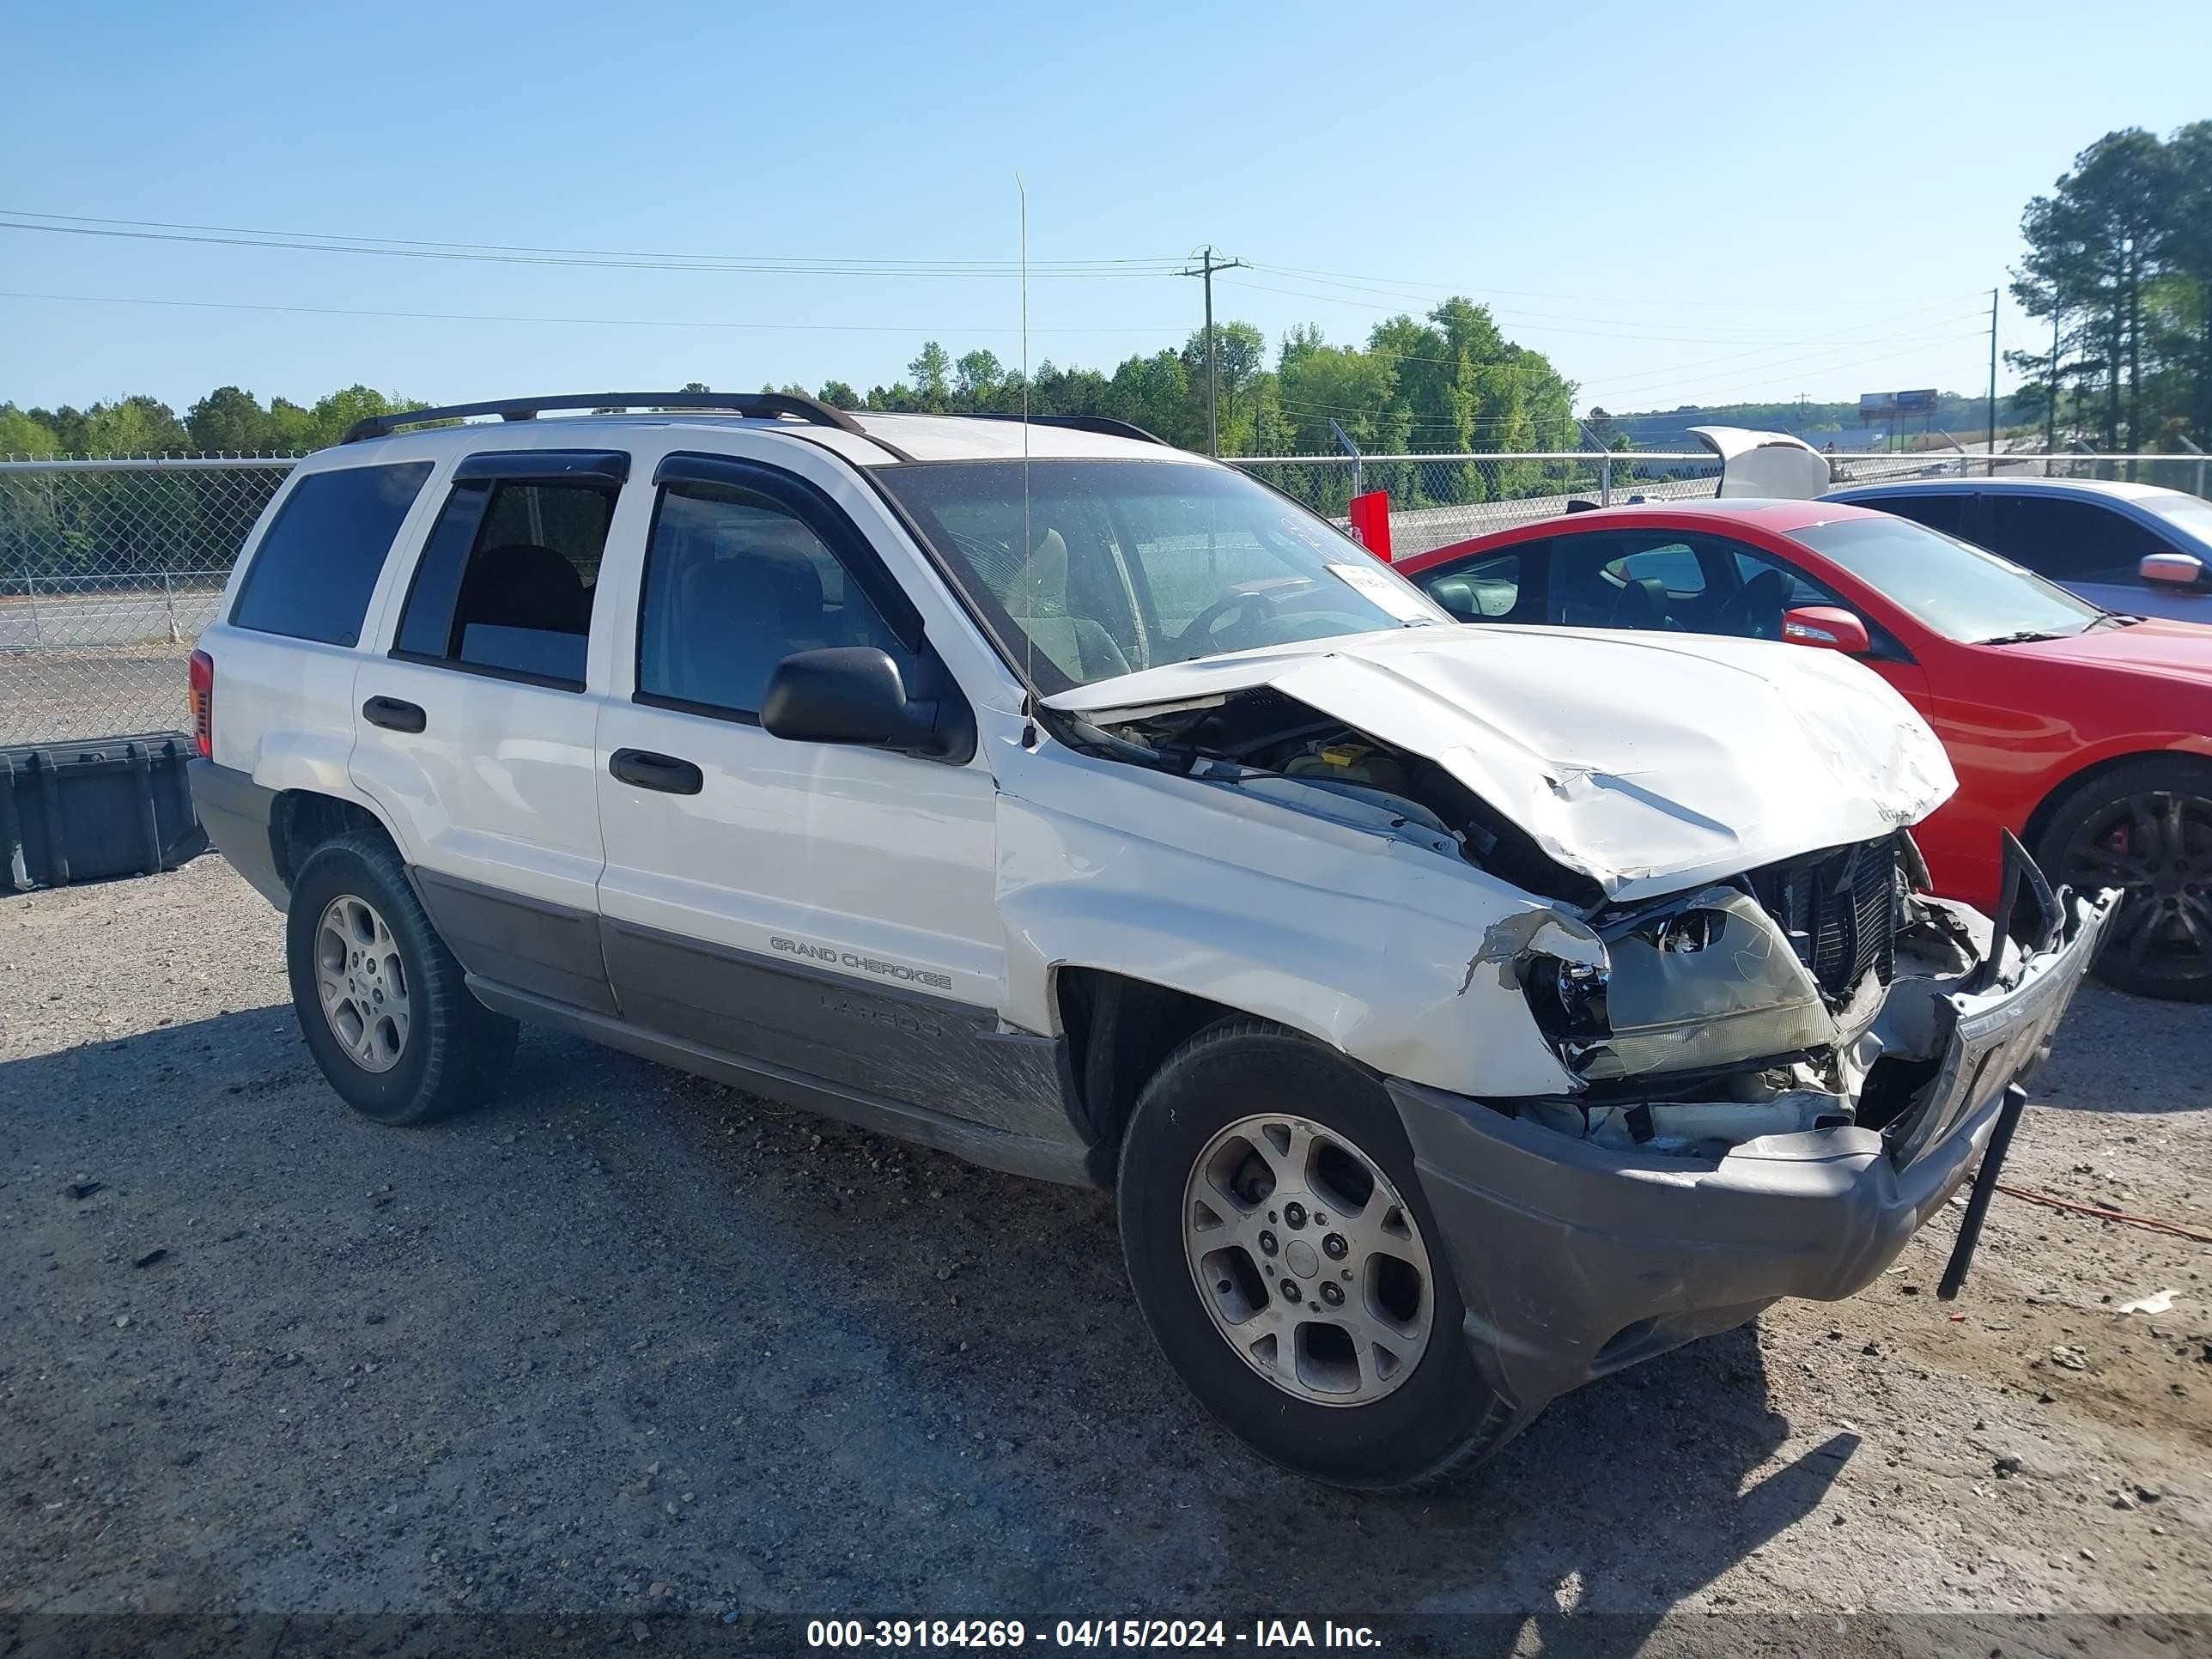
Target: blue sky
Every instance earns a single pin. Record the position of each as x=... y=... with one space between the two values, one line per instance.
x=1677 y=203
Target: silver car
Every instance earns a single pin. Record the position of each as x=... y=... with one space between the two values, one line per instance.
x=2132 y=548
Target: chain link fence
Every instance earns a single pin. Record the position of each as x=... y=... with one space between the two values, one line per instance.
x=1437 y=500
x=109 y=569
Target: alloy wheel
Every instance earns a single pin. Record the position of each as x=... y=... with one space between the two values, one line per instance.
x=1308 y=1260
x=362 y=983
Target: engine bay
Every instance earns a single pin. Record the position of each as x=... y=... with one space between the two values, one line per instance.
x=1252 y=737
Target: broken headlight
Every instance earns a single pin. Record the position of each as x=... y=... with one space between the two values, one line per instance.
x=1700 y=981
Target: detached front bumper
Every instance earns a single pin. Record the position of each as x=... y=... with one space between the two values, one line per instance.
x=1574 y=1260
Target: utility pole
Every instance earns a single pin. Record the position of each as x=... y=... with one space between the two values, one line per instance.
x=1993 y=383
x=1207 y=266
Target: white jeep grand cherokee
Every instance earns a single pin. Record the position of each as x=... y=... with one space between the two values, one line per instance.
x=1461 y=1014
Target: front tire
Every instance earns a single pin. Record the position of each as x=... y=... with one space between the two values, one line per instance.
x=2144 y=827
x=384 y=1005
x=1290 y=1268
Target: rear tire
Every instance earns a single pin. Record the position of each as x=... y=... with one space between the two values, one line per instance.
x=1261 y=1174
x=384 y=1005
x=2145 y=827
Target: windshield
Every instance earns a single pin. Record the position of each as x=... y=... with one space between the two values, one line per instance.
x=1120 y=566
x=1961 y=592
x=2189 y=514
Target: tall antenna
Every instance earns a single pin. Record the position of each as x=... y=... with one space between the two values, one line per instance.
x=1028 y=547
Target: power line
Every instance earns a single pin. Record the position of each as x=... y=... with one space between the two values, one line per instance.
x=1449 y=288
x=925 y=329
x=1836 y=335
x=1430 y=299
x=1669 y=376
x=220 y=236
x=1666 y=375
x=506 y=247
x=1543 y=328
x=1888 y=357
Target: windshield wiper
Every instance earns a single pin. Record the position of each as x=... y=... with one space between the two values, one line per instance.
x=2026 y=637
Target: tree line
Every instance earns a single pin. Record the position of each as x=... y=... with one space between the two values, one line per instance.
x=226 y=422
x=1451 y=382
x=1448 y=382
x=2119 y=264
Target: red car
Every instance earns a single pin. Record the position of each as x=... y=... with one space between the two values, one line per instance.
x=2086 y=733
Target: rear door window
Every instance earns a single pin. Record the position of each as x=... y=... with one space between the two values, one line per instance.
x=317 y=564
x=1641 y=579
x=508 y=577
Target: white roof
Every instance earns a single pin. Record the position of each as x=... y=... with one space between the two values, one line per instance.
x=921 y=437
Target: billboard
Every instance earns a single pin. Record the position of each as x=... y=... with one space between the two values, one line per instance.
x=1920 y=401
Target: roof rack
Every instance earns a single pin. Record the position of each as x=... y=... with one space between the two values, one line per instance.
x=1104 y=425
x=754 y=404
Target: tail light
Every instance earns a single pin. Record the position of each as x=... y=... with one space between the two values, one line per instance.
x=203 y=683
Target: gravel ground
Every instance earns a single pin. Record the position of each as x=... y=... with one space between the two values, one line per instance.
x=627 y=1344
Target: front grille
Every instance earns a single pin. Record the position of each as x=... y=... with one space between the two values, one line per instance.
x=1840 y=911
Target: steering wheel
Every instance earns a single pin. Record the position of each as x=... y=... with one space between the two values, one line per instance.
x=1222 y=616
x=1754 y=609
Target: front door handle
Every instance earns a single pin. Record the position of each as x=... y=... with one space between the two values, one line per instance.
x=394 y=714
x=648 y=770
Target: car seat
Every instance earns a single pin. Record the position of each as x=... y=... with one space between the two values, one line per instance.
x=1037 y=601
x=1641 y=603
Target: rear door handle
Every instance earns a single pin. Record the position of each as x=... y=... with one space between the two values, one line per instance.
x=394 y=714
x=648 y=770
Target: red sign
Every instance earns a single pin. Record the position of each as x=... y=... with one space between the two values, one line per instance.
x=1370 y=523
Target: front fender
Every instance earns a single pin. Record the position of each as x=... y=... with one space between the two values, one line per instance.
x=1364 y=942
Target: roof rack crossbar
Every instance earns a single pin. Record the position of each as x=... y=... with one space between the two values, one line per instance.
x=1104 y=425
x=754 y=404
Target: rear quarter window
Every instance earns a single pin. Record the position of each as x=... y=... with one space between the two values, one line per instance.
x=317 y=564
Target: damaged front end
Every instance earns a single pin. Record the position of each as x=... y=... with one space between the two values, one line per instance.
x=1739 y=1009
x=1810 y=995
x=1782 y=1078
x=1697 y=1036
x=1814 y=991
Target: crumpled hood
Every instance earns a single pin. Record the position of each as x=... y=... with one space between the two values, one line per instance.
x=1646 y=761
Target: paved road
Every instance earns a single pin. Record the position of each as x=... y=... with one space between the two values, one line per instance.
x=77 y=620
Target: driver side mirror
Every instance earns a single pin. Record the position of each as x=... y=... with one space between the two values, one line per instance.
x=1828 y=626
x=2171 y=570
x=854 y=694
